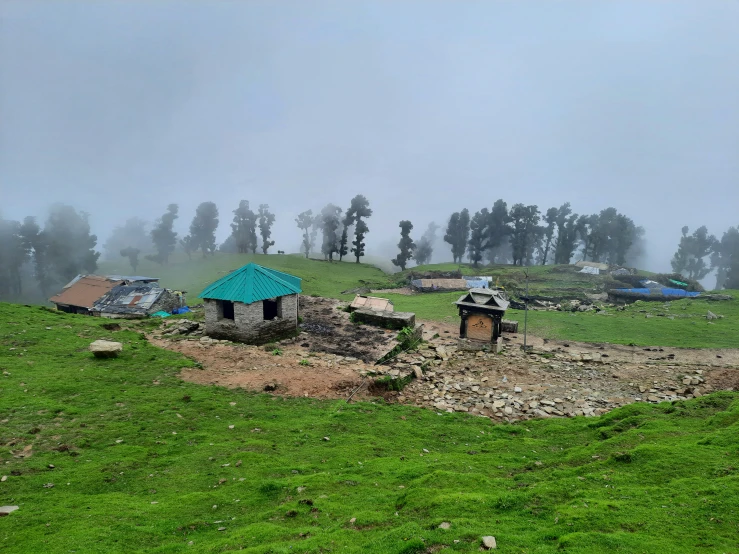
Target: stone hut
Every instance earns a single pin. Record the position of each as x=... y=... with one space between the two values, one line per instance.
x=482 y=312
x=253 y=304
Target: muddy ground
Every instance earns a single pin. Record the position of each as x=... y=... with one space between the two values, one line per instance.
x=332 y=357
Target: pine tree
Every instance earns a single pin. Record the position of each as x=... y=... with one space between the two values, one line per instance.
x=305 y=222
x=163 y=235
x=478 y=232
x=690 y=258
x=203 y=228
x=406 y=245
x=266 y=219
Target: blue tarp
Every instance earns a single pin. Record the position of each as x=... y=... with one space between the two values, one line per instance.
x=182 y=310
x=664 y=291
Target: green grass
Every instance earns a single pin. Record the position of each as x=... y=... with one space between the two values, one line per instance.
x=319 y=277
x=688 y=329
x=145 y=462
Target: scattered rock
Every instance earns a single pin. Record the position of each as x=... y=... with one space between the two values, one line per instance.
x=327 y=439
x=106 y=348
x=445 y=525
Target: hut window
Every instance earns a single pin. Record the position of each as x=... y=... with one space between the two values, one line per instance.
x=271 y=308
x=227 y=310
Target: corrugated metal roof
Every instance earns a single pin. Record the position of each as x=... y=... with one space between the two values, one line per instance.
x=134 y=278
x=129 y=299
x=252 y=283
x=83 y=291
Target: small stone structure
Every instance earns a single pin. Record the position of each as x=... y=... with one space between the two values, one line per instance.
x=253 y=304
x=482 y=312
x=388 y=320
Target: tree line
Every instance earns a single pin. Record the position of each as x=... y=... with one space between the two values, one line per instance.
x=336 y=229
x=48 y=256
x=699 y=253
x=522 y=235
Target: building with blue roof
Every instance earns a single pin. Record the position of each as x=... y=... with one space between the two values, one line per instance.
x=253 y=304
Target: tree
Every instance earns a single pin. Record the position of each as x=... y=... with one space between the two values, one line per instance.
x=497 y=230
x=525 y=232
x=360 y=230
x=330 y=222
x=243 y=228
x=203 y=229
x=189 y=245
x=132 y=234
x=406 y=245
x=425 y=247
x=13 y=255
x=725 y=258
x=347 y=222
x=358 y=210
x=478 y=232
x=133 y=256
x=690 y=258
x=70 y=247
x=551 y=220
x=163 y=235
x=266 y=219
x=305 y=222
x=567 y=234
x=36 y=243
x=457 y=233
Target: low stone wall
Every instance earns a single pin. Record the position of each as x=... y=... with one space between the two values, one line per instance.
x=387 y=320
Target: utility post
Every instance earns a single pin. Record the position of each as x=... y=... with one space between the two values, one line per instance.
x=526 y=313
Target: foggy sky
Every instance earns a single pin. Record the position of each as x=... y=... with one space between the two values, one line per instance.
x=120 y=108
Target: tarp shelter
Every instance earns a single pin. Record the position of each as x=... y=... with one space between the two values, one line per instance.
x=371 y=303
x=481 y=311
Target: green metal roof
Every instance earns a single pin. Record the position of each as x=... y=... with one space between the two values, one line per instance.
x=252 y=283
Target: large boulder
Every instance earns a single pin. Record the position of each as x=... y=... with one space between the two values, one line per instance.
x=106 y=348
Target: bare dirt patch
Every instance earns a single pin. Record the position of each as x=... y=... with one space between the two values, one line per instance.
x=332 y=357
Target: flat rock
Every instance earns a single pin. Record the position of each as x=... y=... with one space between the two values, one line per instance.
x=106 y=348
x=489 y=542
x=5 y=510
x=445 y=525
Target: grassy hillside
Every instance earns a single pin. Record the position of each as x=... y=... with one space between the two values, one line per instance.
x=319 y=277
x=121 y=456
x=550 y=281
x=689 y=327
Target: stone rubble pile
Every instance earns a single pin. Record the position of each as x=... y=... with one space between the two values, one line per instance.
x=453 y=380
x=184 y=327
